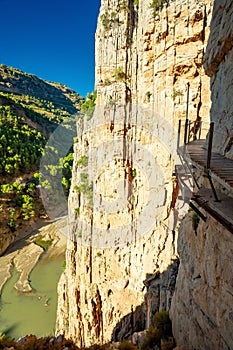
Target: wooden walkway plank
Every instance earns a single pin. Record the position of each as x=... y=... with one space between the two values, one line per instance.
x=221 y=168
x=198 y=154
x=222 y=211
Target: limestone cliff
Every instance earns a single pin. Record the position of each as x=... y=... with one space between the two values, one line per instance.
x=218 y=65
x=123 y=219
x=205 y=279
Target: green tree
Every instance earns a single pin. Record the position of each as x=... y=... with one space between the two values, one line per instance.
x=88 y=106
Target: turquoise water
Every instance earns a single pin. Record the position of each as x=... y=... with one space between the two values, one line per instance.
x=32 y=313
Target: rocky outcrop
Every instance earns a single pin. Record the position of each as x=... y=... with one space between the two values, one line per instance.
x=123 y=221
x=148 y=59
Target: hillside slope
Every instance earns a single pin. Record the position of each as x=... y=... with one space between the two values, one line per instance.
x=16 y=82
x=30 y=110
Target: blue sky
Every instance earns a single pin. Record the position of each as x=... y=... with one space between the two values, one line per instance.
x=53 y=39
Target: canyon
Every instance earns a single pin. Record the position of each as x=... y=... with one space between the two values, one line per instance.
x=149 y=227
x=133 y=248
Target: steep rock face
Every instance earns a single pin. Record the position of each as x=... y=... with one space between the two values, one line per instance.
x=123 y=225
x=158 y=56
x=205 y=279
x=202 y=304
x=218 y=65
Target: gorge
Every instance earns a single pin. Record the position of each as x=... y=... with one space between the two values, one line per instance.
x=150 y=220
x=130 y=231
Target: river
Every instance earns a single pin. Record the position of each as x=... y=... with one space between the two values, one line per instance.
x=34 y=312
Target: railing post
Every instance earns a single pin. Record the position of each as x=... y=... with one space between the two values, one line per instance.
x=186 y=120
x=185 y=135
x=195 y=131
x=209 y=151
x=189 y=129
x=200 y=129
x=179 y=130
x=186 y=131
x=187 y=103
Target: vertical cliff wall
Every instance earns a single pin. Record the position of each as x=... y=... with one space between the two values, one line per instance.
x=123 y=221
x=205 y=279
x=218 y=65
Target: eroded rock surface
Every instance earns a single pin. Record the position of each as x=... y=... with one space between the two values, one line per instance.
x=202 y=304
x=218 y=65
x=123 y=221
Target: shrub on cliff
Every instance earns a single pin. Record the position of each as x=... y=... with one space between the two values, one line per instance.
x=152 y=338
x=163 y=323
x=157 y=5
x=120 y=74
x=161 y=329
x=31 y=342
x=5 y=341
x=126 y=345
x=88 y=106
x=99 y=347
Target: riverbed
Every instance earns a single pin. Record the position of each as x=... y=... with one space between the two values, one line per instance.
x=33 y=312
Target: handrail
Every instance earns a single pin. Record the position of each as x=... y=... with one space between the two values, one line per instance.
x=210 y=144
x=179 y=131
x=192 y=132
x=197 y=126
x=189 y=132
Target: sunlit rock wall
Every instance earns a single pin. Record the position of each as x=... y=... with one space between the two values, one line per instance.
x=123 y=225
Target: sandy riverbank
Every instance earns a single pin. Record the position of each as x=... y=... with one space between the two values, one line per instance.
x=24 y=253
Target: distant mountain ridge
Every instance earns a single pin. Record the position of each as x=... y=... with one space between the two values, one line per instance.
x=15 y=81
x=42 y=104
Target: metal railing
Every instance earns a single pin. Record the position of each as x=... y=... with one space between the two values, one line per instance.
x=193 y=132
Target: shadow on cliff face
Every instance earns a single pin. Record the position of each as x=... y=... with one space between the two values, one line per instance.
x=160 y=289
x=202 y=303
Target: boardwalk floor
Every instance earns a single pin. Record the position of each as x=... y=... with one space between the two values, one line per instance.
x=221 y=168
x=222 y=211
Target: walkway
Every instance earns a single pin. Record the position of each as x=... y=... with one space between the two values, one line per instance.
x=198 y=154
x=220 y=169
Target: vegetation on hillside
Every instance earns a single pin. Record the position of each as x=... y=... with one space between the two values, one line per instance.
x=20 y=201
x=30 y=110
x=16 y=82
x=88 y=106
x=21 y=146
